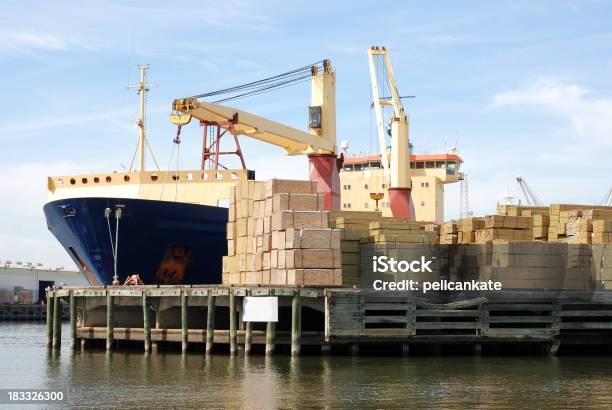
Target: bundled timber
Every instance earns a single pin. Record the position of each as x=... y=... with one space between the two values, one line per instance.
x=279 y=234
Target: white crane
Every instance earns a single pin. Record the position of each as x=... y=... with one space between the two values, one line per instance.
x=530 y=196
x=607 y=201
x=385 y=95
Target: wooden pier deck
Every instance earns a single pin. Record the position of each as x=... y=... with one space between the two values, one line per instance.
x=211 y=316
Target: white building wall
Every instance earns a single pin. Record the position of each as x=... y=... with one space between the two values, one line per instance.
x=28 y=278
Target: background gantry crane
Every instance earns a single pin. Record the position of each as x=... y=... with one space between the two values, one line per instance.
x=607 y=201
x=530 y=196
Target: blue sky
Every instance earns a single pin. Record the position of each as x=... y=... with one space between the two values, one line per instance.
x=523 y=87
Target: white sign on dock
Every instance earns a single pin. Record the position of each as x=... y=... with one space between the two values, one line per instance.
x=260 y=309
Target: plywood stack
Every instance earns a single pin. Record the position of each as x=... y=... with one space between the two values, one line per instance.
x=448 y=233
x=278 y=234
x=510 y=228
x=466 y=229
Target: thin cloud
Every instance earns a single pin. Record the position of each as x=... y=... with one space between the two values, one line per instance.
x=29 y=42
x=588 y=116
x=443 y=39
x=109 y=116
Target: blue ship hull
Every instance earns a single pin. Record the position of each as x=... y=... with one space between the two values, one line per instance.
x=163 y=242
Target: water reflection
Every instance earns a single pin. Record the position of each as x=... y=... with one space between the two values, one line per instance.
x=165 y=379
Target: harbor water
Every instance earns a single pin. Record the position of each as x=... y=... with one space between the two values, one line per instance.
x=170 y=379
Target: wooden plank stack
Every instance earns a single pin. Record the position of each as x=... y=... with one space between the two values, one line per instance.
x=448 y=233
x=574 y=223
x=520 y=210
x=502 y=227
x=466 y=229
x=360 y=228
x=278 y=234
x=602 y=231
x=540 y=227
x=354 y=225
x=395 y=230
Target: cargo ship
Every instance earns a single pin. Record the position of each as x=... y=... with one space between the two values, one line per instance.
x=168 y=227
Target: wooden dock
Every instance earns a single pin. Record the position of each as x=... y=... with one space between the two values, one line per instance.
x=212 y=317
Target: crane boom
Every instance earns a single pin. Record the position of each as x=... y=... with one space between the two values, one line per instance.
x=530 y=196
x=294 y=141
x=321 y=138
x=319 y=143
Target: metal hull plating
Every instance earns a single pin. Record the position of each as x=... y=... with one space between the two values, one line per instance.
x=164 y=242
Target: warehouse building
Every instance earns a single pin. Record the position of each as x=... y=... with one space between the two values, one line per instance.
x=25 y=282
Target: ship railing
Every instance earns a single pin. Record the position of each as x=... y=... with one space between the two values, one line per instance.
x=149 y=177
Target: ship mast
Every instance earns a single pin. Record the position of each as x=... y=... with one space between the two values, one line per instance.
x=143 y=88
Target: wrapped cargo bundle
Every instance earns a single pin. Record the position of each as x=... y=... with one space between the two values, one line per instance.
x=278 y=234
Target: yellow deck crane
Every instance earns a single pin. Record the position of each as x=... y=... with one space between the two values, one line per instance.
x=319 y=143
x=397 y=168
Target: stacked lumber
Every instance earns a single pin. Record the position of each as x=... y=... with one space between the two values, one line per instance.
x=602 y=265
x=354 y=225
x=540 y=227
x=502 y=227
x=466 y=229
x=520 y=210
x=542 y=265
x=395 y=230
x=403 y=251
x=448 y=233
x=278 y=234
x=574 y=223
x=602 y=231
x=360 y=228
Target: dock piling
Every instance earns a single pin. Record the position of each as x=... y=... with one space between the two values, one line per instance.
x=73 y=321
x=296 y=323
x=405 y=349
x=184 y=322
x=57 y=321
x=270 y=336
x=232 y=323
x=110 y=319
x=248 y=335
x=145 y=322
x=326 y=349
x=210 y=323
x=49 y=318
